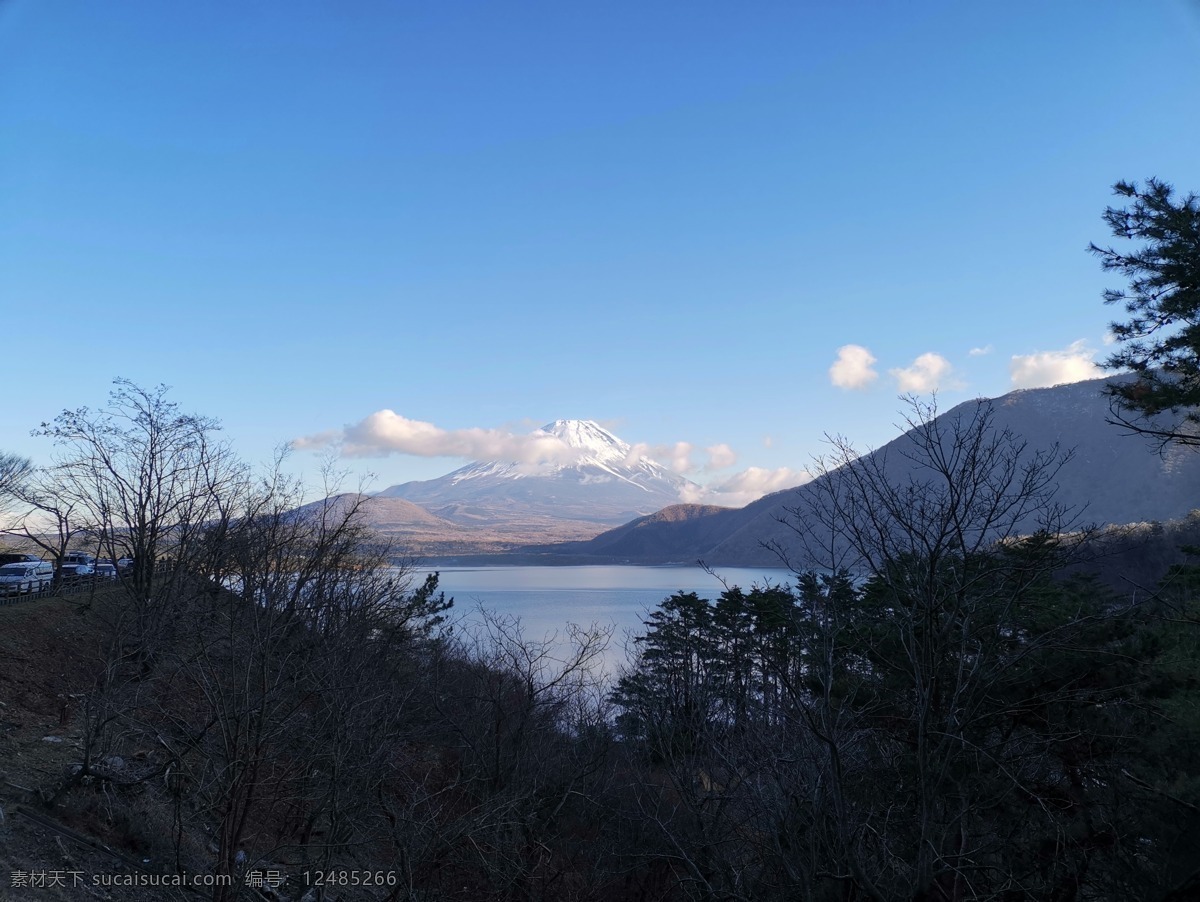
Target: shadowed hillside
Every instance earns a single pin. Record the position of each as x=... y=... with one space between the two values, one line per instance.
x=1112 y=478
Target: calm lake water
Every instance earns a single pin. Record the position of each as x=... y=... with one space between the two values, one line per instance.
x=546 y=599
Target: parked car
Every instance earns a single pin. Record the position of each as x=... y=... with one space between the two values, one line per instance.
x=17 y=557
x=105 y=569
x=25 y=576
x=77 y=563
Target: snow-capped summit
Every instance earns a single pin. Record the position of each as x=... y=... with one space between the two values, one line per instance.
x=581 y=471
x=589 y=436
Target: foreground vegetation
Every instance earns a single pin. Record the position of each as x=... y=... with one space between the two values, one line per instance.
x=942 y=706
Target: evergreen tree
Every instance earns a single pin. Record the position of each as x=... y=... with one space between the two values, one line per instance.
x=669 y=695
x=1160 y=342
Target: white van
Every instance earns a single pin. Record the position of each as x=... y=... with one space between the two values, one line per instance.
x=26 y=576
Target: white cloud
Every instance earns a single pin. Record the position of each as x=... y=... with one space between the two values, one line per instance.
x=927 y=373
x=720 y=456
x=318 y=440
x=1110 y=339
x=1044 y=368
x=749 y=485
x=386 y=432
x=980 y=352
x=852 y=369
x=677 y=457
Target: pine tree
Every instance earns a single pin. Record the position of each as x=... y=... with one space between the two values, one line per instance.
x=1160 y=342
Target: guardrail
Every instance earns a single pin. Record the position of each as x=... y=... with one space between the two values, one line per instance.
x=67 y=585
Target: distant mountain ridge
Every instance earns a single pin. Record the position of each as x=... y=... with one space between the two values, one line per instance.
x=1113 y=479
x=673 y=543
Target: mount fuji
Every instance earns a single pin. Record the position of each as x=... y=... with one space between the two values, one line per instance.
x=588 y=475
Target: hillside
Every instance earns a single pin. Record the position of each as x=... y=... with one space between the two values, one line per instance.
x=49 y=660
x=1113 y=478
x=416 y=532
x=677 y=527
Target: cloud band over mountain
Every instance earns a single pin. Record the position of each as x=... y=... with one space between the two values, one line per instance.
x=385 y=433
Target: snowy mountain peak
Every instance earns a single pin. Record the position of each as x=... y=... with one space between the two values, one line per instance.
x=590 y=437
x=568 y=469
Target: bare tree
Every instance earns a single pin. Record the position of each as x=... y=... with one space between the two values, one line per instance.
x=299 y=638
x=494 y=801
x=259 y=644
x=14 y=470
x=917 y=665
x=953 y=485
x=149 y=480
x=912 y=719
x=51 y=517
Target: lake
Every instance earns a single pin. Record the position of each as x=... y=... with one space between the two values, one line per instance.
x=546 y=599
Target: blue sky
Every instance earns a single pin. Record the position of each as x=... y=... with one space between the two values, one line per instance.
x=485 y=216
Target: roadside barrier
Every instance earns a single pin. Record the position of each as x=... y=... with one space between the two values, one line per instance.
x=69 y=585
